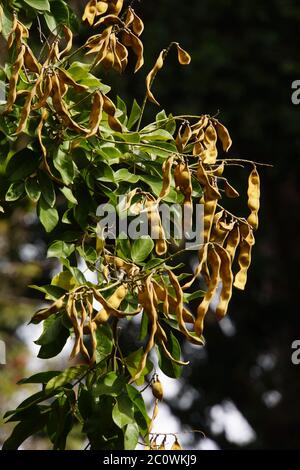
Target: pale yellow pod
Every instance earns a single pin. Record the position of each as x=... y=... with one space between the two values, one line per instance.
x=131 y=40
x=152 y=74
x=223 y=134
x=244 y=258
x=214 y=262
x=12 y=92
x=96 y=114
x=90 y=12
x=69 y=41
x=167 y=177
x=232 y=241
x=176 y=445
x=253 y=198
x=227 y=281
x=230 y=191
x=210 y=144
x=184 y=57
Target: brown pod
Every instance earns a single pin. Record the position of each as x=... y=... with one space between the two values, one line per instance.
x=157 y=389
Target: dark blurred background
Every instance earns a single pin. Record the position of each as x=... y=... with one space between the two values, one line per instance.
x=245 y=56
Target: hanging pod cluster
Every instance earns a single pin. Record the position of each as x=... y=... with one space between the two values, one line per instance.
x=48 y=84
x=223 y=233
x=84 y=319
x=118 y=33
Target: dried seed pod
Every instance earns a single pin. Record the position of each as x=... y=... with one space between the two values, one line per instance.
x=233 y=241
x=209 y=212
x=42 y=102
x=134 y=21
x=90 y=12
x=176 y=445
x=112 y=304
x=244 y=258
x=169 y=355
x=253 y=198
x=110 y=20
x=69 y=41
x=183 y=180
x=27 y=108
x=96 y=114
x=214 y=262
x=157 y=231
x=12 y=93
x=122 y=55
x=45 y=313
x=179 y=310
x=129 y=39
x=157 y=388
x=184 y=57
x=152 y=74
x=170 y=303
x=30 y=61
x=146 y=299
x=166 y=175
x=210 y=143
x=110 y=110
x=115 y=6
x=223 y=134
x=206 y=181
x=183 y=136
x=227 y=281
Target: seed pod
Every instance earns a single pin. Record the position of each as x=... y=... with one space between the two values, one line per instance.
x=157 y=231
x=184 y=57
x=210 y=144
x=223 y=134
x=183 y=180
x=183 y=136
x=169 y=355
x=244 y=258
x=163 y=444
x=65 y=78
x=101 y=317
x=202 y=256
x=115 y=6
x=30 y=61
x=110 y=20
x=157 y=389
x=96 y=114
x=45 y=313
x=122 y=55
x=166 y=175
x=69 y=41
x=218 y=171
x=42 y=102
x=90 y=12
x=27 y=108
x=131 y=40
x=134 y=21
x=10 y=38
x=152 y=74
x=146 y=298
x=227 y=281
x=198 y=127
x=253 y=198
x=112 y=304
x=179 y=310
x=12 y=93
x=233 y=241
x=110 y=109
x=211 y=191
x=214 y=262
x=163 y=296
x=209 y=212
x=176 y=445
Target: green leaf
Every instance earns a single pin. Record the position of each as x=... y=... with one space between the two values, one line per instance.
x=152 y=264
x=32 y=189
x=47 y=215
x=40 y=377
x=41 y=5
x=60 y=249
x=53 y=338
x=60 y=422
x=134 y=115
x=22 y=431
x=141 y=414
x=170 y=368
x=144 y=327
x=157 y=134
x=121 y=105
x=141 y=249
x=125 y=175
x=67 y=376
x=22 y=164
x=47 y=188
x=131 y=436
x=15 y=191
x=64 y=280
x=105 y=342
x=60 y=12
x=53 y=292
x=132 y=363
x=50 y=22
x=68 y=195
x=65 y=166
x=123 y=411
x=103 y=172
x=123 y=247
x=188 y=297
x=111 y=384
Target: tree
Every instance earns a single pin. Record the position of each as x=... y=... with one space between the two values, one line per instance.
x=123 y=199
